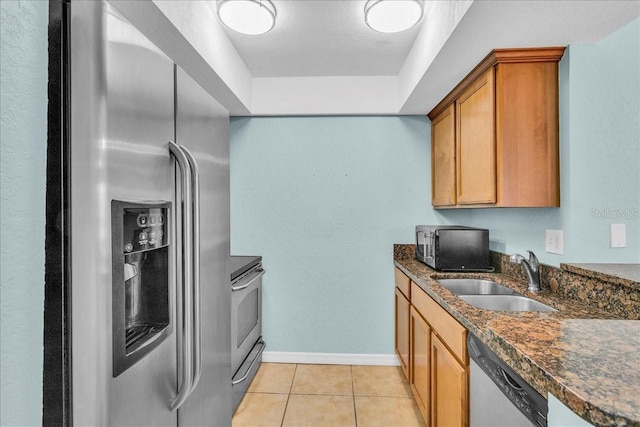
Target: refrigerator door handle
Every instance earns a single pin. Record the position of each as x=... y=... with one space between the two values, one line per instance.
x=197 y=329
x=185 y=333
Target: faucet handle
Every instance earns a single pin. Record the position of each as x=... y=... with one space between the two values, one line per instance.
x=516 y=259
x=533 y=259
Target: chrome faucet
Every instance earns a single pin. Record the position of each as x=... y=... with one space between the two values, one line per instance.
x=531 y=267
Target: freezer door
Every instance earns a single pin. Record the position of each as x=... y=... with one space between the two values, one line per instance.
x=202 y=127
x=122 y=118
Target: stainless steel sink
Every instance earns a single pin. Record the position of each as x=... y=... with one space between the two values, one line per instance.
x=491 y=295
x=475 y=287
x=514 y=302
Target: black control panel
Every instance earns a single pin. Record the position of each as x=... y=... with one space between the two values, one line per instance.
x=144 y=228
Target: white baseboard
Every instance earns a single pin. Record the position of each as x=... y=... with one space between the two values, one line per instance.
x=331 y=358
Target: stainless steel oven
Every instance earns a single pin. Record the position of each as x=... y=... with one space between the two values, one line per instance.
x=246 y=322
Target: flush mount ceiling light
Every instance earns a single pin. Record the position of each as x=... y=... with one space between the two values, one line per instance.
x=247 y=16
x=392 y=16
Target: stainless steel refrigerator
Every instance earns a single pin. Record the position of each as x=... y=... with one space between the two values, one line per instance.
x=144 y=208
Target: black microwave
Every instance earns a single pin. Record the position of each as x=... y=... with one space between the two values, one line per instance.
x=453 y=247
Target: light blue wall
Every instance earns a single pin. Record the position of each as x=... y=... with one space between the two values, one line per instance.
x=599 y=155
x=23 y=109
x=323 y=199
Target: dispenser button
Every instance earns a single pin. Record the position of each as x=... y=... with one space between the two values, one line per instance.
x=128 y=247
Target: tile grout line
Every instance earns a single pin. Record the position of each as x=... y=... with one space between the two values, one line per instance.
x=353 y=394
x=289 y=395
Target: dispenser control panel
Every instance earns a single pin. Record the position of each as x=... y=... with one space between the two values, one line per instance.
x=144 y=228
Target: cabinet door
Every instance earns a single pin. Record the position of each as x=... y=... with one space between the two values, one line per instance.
x=449 y=406
x=402 y=331
x=420 y=367
x=443 y=159
x=476 y=142
x=527 y=147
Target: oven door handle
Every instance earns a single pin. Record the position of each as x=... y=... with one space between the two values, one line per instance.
x=184 y=333
x=253 y=362
x=246 y=285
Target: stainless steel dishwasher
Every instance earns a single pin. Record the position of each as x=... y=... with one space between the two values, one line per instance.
x=498 y=396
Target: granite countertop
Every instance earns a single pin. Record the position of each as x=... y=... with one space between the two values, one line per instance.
x=584 y=356
x=623 y=274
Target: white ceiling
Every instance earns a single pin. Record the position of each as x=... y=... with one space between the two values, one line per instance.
x=321 y=58
x=322 y=38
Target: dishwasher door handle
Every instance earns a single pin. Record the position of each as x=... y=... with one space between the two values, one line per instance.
x=510 y=380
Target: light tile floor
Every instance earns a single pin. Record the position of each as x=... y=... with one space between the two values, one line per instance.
x=283 y=394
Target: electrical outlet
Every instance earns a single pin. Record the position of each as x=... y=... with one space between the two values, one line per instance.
x=554 y=242
x=618 y=236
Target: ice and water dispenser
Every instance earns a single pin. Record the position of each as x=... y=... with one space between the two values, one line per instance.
x=141 y=287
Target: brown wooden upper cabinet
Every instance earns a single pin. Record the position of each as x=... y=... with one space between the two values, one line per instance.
x=494 y=137
x=443 y=155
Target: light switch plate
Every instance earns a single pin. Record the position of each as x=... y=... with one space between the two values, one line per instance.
x=554 y=242
x=618 y=236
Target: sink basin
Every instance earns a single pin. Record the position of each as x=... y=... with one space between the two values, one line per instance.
x=491 y=295
x=474 y=287
x=505 y=303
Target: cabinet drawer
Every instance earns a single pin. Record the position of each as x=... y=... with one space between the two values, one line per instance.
x=452 y=333
x=402 y=282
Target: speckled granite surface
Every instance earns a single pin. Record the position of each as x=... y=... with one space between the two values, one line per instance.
x=623 y=274
x=586 y=354
x=591 y=365
x=611 y=294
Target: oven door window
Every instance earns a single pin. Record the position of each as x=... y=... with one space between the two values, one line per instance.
x=248 y=312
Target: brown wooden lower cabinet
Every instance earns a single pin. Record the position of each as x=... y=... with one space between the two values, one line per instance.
x=438 y=364
x=449 y=384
